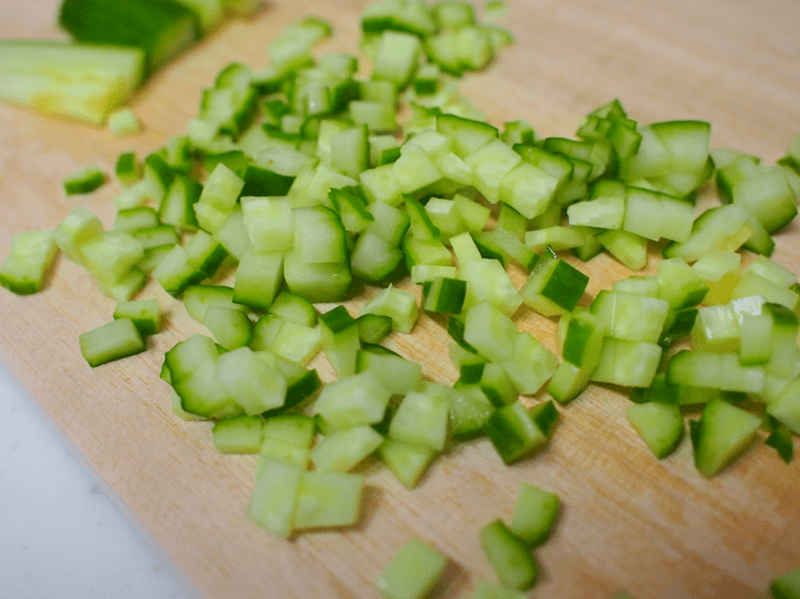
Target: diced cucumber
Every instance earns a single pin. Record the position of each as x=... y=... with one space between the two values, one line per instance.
x=659 y=424
x=412 y=572
x=408 y=462
x=145 y=314
x=111 y=341
x=297 y=429
x=723 y=432
x=398 y=375
x=250 y=381
x=530 y=365
x=535 y=513
x=123 y=122
x=328 y=499
x=554 y=287
x=627 y=363
x=396 y=57
x=401 y=306
x=343 y=450
x=490 y=332
x=239 y=434
x=513 y=432
x=511 y=559
x=230 y=327
x=630 y=316
x=786 y=408
x=469 y=411
x=259 y=277
x=33 y=253
x=85 y=180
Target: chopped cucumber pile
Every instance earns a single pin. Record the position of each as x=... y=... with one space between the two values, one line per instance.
x=306 y=181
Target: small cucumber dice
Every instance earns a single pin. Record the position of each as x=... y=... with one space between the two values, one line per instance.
x=723 y=432
x=659 y=424
x=412 y=572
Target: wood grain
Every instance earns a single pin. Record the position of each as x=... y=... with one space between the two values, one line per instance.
x=656 y=529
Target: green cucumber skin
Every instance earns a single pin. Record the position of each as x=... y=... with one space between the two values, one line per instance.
x=787 y=586
x=161 y=29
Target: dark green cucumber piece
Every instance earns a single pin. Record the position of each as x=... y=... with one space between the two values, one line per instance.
x=161 y=28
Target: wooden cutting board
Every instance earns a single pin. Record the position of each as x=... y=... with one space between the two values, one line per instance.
x=656 y=529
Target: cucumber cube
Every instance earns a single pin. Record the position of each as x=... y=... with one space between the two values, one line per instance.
x=328 y=499
x=421 y=419
x=32 y=255
x=343 y=450
x=723 y=432
x=407 y=461
x=786 y=408
x=352 y=401
x=554 y=287
x=627 y=363
x=490 y=332
x=511 y=559
x=412 y=572
x=535 y=513
x=659 y=424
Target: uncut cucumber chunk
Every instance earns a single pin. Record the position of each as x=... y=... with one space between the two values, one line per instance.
x=786 y=408
x=513 y=432
x=554 y=287
x=723 y=432
x=84 y=180
x=79 y=81
x=328 y=499
x=145 y=314
x=407 y=461
x=238 y=434
x=421 y=419
x=412 y=572
x=343 y=450
x=161 y=29
x=715 y=370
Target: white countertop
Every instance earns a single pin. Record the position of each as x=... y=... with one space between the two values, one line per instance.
x=61 y=535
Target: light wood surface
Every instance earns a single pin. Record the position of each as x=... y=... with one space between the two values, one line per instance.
x=656 y=529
